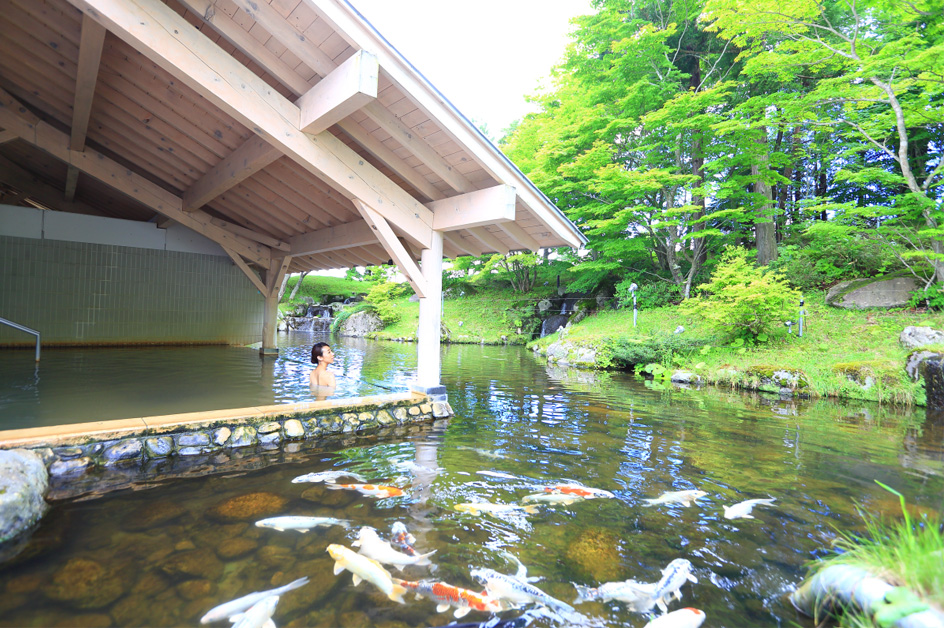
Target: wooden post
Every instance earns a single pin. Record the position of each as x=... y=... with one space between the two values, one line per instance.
x=270 y=315
x=428 y=334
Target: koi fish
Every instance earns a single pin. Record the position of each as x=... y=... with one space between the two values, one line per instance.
x=515 y=590
x=328 y=476
x=686 y=498
x=494 y=509
x=372 y=546
x=363 y=568
x=552 y=498
x=302 y=524
x=682 y=618
x=674 y=576
x=259 y=614
x=371 y=490
x=401 y=538
x=581 y=491
x=742 y=510
x=483 y=452
x=446 y=595
x=239 y=605
x=637 y=596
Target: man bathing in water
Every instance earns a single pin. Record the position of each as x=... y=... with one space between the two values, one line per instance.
x=322 y=380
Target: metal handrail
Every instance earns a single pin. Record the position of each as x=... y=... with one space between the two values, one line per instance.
x=26 y=329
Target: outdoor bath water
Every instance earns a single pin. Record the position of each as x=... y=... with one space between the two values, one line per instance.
x=167 y=553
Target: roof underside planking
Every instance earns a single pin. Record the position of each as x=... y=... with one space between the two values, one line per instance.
x=282 y=128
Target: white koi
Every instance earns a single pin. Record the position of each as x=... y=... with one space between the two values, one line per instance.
x=686 y=498
x=637 y=596
x=363 y=568
x=239 y=605
x=676 y=573
x=372 y=546
x=494 y=509
x=516 y=590
x=483 y=452
x=742 y=510
x=682 y=618
x=259 y=614
x=328 y=476
x=302 y=524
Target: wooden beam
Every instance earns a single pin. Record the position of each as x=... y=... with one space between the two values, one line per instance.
x=519 y=235
x=348 y=88
x=72 y=181
x=249 y=234
x=36 y=188
x=7 y=136
x=489 y=240
x=348 y=235
x=243 y=266
x=403 y=170
x=392 y=245
x=255 y=50
x=16 y=117
x=416 y=145
x=254 y=155
x=276 y=273
x=169 y=40
x=461 y=244
x=482 y=207
x=90 y=55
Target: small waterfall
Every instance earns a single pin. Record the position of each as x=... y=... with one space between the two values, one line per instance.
x=552 y=323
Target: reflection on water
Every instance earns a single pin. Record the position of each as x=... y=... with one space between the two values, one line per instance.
x=165 y=555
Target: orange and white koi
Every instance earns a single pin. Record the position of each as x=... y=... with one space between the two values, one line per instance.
x=682 y=618
x=401 y=538
x=371 y=490
x=372 y=546
x=494 y=509
x=446 y=596
x=580 y=491
x=552 y=499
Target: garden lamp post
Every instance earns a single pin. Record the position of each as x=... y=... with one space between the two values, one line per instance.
x=802 y=312
x=632 y=288
x=789 y=325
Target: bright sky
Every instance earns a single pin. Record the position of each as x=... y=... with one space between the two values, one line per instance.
x=484 y=56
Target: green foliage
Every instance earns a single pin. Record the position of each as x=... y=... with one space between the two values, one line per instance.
x=381 y=297
x=743 y=301
x=648 y=295
x=827 y=252
x=347 y=312
x=932 y=298
x=660 y=348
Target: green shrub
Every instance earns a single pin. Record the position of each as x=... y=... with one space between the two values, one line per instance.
x=381 y=298
x=660 y=348
x=932 y=298
x=648 y=295
x=743 y=301
x=827 y=252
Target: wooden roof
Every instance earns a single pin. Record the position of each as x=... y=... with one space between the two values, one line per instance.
x=282 y=128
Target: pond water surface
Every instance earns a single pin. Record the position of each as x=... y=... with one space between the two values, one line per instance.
x=167 y=553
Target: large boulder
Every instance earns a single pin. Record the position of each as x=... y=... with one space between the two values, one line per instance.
x=360 y=324
x=859 y=294
x=913 y=337
x=23 y=484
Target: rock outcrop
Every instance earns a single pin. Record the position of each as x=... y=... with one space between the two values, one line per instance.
x=868 y=293
x=23 y=484
x=360 y=324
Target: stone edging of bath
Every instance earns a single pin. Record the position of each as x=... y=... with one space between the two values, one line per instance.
x=70 y=453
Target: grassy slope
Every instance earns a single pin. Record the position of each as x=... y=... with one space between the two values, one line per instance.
x=319 y=286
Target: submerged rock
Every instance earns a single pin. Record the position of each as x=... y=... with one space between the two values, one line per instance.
x=594 y=555
x=85 y=583
x=152 y=515
x=200 y=563
x=23 y=485
x=248 y=507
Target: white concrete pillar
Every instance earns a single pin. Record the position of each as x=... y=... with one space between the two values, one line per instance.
x=270 y=316
x=428 y=334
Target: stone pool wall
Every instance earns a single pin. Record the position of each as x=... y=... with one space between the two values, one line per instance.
x=96 y=457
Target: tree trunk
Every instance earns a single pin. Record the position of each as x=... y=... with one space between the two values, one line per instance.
x=765 y=229
x=298 y=285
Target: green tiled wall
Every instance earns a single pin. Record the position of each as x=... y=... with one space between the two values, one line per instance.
x=77 y=293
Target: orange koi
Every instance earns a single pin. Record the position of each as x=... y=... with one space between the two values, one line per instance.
x=580 y=491
x=371 y=490
x=446 y=595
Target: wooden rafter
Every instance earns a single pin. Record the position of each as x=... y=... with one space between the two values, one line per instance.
x=249 y=272
x=90 y=55
x=489 y=240
x=392 y=245
x=242 y=163
x=520 y=235
x=347 y=235
x=35 y=188
x=482 y=207
x=7 y=136
x=166 y=38
x=14 y=116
